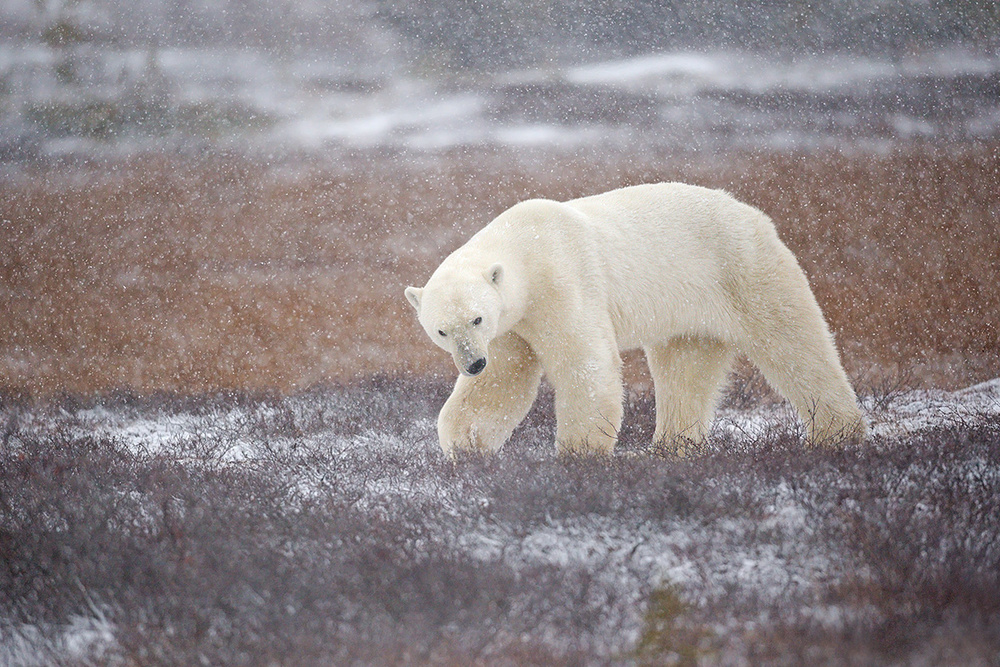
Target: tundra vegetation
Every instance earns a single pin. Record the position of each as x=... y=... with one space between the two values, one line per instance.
x=218 y=441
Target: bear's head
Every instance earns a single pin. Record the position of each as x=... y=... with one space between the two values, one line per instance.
x=461 y=311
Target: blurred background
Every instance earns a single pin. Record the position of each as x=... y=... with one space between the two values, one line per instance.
x=284 y=75
x=204 y=194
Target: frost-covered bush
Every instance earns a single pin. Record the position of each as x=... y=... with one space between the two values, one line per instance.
x=326 y=528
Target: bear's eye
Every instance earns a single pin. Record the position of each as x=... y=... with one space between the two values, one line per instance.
x=443 y=334
x=476 y=322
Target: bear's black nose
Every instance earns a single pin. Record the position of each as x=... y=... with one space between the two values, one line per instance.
x=477 y=366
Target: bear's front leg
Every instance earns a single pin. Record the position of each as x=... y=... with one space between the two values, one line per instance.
x=588 y=398
x=484 y=410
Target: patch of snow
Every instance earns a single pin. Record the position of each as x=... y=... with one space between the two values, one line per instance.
x=644 y=68
x=915 y=411
x=83 y=640
x=752 y=424
x=785 y=514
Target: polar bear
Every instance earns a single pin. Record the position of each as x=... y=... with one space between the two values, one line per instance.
x=690 y=275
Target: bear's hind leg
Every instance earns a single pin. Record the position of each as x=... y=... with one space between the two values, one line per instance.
x=484 y=410
x=687 y=375
x=798 y=358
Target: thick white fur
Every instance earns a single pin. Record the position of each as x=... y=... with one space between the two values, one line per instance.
x=690 y=275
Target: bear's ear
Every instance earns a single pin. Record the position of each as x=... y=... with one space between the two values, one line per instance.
x=495 y=275
x=413 y=296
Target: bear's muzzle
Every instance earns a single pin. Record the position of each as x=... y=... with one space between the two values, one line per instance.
x=476 y=367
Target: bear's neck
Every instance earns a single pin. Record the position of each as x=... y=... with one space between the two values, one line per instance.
x=513 y=293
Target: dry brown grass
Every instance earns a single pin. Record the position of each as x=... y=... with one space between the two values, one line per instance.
x=162 y=273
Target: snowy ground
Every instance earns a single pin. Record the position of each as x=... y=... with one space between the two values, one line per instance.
x=325 y=526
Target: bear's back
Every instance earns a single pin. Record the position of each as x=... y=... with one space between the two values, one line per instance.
x=661 y=247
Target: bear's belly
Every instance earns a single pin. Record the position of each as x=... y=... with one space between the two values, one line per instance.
x=704 y=314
